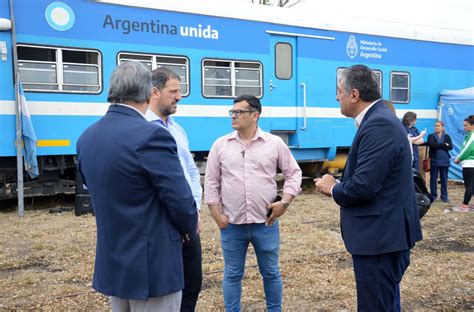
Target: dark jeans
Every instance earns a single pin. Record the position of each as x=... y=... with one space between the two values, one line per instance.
x=468 y=176
x=378 y=280
x=443 y=175
x=192 y=264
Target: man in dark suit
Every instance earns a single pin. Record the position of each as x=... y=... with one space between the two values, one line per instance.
x=379 y=217
x=143 y=205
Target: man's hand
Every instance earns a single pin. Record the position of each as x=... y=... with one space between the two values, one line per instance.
x=325 y=184
x=222 y=220
x=278 y=210
x=216 y=212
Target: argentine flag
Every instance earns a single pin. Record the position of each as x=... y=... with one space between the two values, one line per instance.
x=28 y=136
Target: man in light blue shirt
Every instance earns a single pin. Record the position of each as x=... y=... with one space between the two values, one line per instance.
x=163 y=103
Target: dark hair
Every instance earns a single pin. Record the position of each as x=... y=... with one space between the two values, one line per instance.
x=161 y=76
x=470 y=119
x=361 y=78
x=130 y=81
x=408 y=118
x=252 y=100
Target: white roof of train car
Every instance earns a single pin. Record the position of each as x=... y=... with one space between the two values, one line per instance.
x=323 y=20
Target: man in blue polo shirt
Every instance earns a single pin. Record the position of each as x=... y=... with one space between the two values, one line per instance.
x=163 y=103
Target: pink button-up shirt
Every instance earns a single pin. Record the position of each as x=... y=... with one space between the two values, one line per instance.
x=242 y=177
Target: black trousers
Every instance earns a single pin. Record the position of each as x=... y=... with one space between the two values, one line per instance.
x=192 y=264
x=468 y=177
x=378 y=280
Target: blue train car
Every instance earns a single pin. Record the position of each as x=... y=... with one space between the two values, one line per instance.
x=290 y=60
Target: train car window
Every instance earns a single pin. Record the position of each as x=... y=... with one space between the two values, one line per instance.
x=81 y=71
x=179 y=65
x=59 y=69
x=37 y=67
x=399 y=87
x=222 y=78
x=283 y=60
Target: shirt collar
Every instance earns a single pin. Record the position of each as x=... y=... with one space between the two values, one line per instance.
x=360 y=117
x=125 y=105
x=259 y=134
x=151 y=116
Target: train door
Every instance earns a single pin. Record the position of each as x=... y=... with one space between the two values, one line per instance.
x=282 y=85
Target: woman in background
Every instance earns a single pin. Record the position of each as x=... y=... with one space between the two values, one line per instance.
x=415 y=137
x=466 y=158
x=440 y=144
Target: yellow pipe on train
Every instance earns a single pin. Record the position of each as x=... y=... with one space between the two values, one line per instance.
x=336 y=165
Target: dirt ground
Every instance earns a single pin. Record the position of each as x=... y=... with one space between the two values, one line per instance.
x=46 y=260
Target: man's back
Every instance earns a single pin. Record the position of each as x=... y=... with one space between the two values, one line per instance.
x=142 y=203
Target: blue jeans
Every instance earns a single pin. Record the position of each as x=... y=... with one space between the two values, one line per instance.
x=266 y=242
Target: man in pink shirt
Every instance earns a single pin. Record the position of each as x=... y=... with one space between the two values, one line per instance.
x=240 y=190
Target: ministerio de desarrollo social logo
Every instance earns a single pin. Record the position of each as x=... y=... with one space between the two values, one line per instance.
x=60 y=16
x=351 y=47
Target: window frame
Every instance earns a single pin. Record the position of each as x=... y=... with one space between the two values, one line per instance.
x=154 y=64
x=59 y=64
x=233 y=79
x=407 y=74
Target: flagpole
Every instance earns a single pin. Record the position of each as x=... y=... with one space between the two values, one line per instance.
x=19 y=142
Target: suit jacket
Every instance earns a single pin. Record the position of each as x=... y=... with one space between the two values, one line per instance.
x=377 y=195
x=142 y=203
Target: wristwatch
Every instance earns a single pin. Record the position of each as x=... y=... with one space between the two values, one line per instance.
x=285 y=203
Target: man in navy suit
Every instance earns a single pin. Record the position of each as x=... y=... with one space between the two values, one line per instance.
x=379 y=217
x=143 y=205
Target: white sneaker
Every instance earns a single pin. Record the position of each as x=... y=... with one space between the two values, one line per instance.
x=461 y=208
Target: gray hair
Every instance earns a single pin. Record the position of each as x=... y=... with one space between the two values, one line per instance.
x=361 y=78
x=130 y=81
x=161 y=76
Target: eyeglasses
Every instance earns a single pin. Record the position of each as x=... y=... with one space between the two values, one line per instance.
x=239 y=112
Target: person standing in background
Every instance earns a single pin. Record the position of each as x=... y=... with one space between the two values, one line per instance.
x=415 y=137
x=466 y=159
x=163 y=103
x=439 y=144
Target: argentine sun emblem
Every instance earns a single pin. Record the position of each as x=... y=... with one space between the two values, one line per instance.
x=60 y=16
x=351 y=47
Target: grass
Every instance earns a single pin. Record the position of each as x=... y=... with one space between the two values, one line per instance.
x=46 y=261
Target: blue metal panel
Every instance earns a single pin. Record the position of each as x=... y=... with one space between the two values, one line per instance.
x=7 y=135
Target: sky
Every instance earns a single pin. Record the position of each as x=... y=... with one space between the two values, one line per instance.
x=450 y=14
